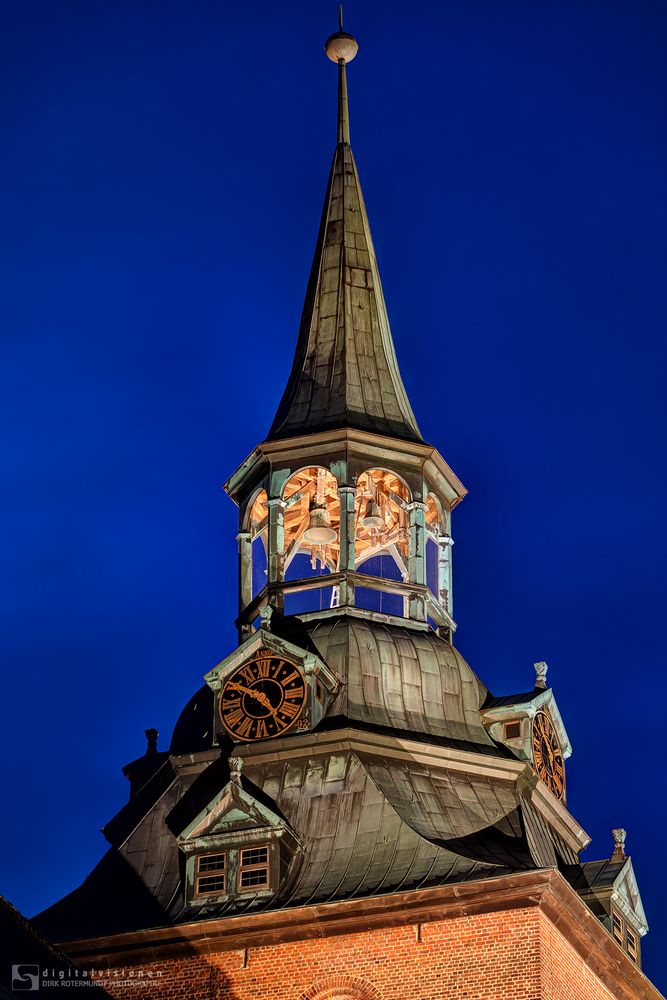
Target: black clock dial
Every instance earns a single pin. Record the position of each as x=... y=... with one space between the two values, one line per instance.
x=547 y=754
x=262 y=698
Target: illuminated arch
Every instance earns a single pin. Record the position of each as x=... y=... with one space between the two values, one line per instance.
x=311 y=487
x=381 y=520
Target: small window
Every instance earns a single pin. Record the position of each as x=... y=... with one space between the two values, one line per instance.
x=617 y=927
x=632 y=945
x=319 y=692
x=211 y=873
x=254 y=868
x=512 y=730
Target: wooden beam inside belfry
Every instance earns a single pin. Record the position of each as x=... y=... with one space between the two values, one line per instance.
x=295 y=544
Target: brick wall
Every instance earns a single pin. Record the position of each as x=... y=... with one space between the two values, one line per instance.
x=564 y=974
x=491 y=956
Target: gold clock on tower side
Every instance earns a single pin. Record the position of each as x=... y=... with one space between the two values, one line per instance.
x=263 y=698
x=547 y=754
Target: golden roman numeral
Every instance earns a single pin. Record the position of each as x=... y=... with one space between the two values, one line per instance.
x=290 y=710
x=295 y=693
x=262 y=731
x=292 y=677
x=263 y=667
x=247 y=674
x=245 y=727
x=233 y=716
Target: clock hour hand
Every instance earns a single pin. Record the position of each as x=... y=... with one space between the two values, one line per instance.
x=257 y=695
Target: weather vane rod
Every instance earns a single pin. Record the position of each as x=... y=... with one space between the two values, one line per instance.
x=341 y=48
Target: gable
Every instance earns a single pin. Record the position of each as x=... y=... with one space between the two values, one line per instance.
x=232 y=809
x=625 y=897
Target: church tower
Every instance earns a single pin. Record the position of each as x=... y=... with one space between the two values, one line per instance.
x=345 y=810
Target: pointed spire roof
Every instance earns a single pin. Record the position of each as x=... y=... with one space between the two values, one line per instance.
x=345 y=372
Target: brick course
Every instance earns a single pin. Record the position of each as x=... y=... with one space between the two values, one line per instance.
x=514 y=954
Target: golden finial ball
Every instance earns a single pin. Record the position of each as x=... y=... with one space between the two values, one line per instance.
x=341 y=46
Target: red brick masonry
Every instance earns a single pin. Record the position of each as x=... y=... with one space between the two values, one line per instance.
x=524 y=937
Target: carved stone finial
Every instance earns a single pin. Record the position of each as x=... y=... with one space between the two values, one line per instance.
x=235 y=767
x=541 y=674
x=619 y=836
x=266 y=614
x=151 y=741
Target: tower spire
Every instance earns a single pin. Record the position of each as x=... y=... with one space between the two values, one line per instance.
x=345 y=372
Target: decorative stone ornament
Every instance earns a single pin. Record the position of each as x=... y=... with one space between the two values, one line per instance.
x=541 y=674
x=619 y=836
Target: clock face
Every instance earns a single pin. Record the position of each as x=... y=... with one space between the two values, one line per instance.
x=547 y=754
x=262 y=698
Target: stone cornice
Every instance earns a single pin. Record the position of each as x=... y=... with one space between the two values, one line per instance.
x=545 y=889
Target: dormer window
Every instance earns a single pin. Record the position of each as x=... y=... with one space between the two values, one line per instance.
x=617 y=927
x=237 y=847
x=625 y=936
x=236 y=870
x=631 y=945
x=512 y=730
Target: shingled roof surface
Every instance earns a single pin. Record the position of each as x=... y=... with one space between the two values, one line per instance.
x=368 y=827
x=368 y=824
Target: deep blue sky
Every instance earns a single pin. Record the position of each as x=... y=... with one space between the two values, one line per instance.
x=161 y=180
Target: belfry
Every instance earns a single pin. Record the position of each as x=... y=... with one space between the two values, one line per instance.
x=345 y=810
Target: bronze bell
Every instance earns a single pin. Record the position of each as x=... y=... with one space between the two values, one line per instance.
x=319 y=530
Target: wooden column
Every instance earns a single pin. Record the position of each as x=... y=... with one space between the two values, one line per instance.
x=417 y=557
x=276 y=554
x=347 y=495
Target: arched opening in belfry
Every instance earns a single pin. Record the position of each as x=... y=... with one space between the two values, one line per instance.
x=257 y=524
x=381 y=540
x=433 y=520
x=311 y=538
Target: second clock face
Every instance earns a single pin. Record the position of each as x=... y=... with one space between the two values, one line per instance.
x=262 y=698
x=547 y=754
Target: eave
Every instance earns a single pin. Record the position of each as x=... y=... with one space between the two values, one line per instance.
x=545 y=889
x=376 y=447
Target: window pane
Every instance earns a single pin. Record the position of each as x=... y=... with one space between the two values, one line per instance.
x=254 y=877
x=617 y=928
x=255 y=856
x=212 y=863
x=211 y=883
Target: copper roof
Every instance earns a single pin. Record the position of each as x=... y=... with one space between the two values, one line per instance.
x=345 y=372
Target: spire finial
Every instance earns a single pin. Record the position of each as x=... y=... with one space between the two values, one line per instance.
x=341 y=48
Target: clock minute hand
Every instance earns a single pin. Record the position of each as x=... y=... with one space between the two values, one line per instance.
x=257 y=695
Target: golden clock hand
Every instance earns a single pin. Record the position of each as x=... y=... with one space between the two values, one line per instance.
x=257 y=695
